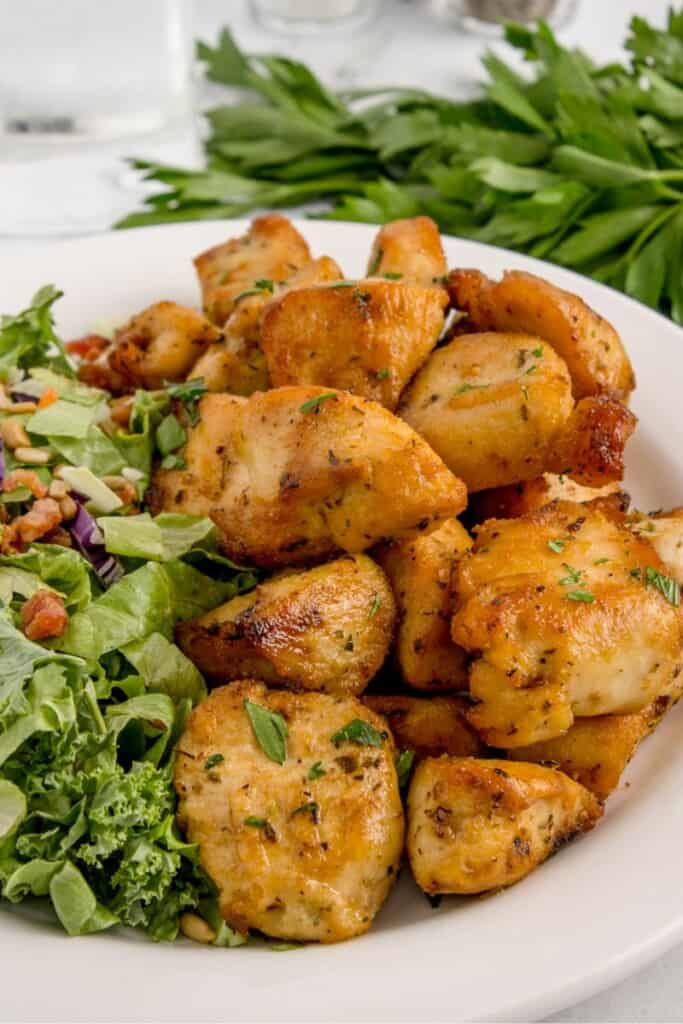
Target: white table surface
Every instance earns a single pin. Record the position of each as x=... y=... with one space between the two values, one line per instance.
x=409 y=46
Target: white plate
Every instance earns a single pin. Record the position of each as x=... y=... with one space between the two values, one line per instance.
x=603 y=908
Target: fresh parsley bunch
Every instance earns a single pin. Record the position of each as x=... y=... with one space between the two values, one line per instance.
x=581 y=164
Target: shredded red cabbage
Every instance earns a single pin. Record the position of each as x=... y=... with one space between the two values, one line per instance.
x=22 y=396
x=90 y=541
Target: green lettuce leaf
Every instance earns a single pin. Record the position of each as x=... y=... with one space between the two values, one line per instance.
x=161 y=539
x=165 y=669
x=60 y=569
x=63 y=419
x=28 y=339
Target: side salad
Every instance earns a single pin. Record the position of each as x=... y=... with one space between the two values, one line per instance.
x=93 y=691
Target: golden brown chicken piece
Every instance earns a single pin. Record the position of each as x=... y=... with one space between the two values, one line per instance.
x=304 y=850
x=368 y=337
x=478 y=825
x=664 y=530
x=565 y=620
x=410 y=249
x=429 y=726
x=589 y=345
x=529 y=495
x=237 y=363
x=327 y=628
x=498 y=409
x=157 y=345
x=295 y=474
x=419 y=570
x=270 y=251
x=595 y=751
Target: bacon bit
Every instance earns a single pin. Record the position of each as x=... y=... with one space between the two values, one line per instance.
x=88 y=347
x=25 y=478
x=47 y=398
x=42 y=517
x=43 y=616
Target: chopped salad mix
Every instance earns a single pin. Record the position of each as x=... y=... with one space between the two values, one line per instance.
x=93 y=691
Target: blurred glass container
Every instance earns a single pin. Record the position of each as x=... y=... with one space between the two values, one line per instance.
x=485 y=17
x=85 y=80
x=313 y=16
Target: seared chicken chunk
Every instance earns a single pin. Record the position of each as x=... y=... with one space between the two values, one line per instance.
x=477 y=825
x=563 y=615
x=296 y=474
x=529 y=495
x=589 y=345
x=307 y=849
x=327 y=628
x=419 y=569
x=159 y=344
x=429 y=727
x=498 y=409
x=664 y=530
x=271 y=250
x=237 y=363
x=368 y=337
x=410 y=249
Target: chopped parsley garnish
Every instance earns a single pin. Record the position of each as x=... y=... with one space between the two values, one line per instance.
x=255 y=822
x=213 y=760
x=316 y=771
x=391 y=275
x=375 y=606
x=360 y=732
x=636 y=573
x=666 y=585
x=580 y=595
x=557 y=545
x=189 y=393
x=538 y=352
x=383 y=373
x=314 y=403
x=262 y=285
x=573 y=575
x=270 y=730
x=600 y=561
x=341 y=284
x=531 y=369
x=375 y=265
x=309 y=808
x=404 y=766
x=469 y=387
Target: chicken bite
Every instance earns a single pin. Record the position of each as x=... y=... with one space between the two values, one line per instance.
x=368 y=337
x=478 y=825
x=307 y=849
x=562 y=612
x=419 y=570
x=664 y=531
x=327 y=628
x=589 y=345
x=410 y=249
x=498 y=409
x=428 y=726
x=159 y=344
x=294 y=475
x=529 y=495
x=270 y=251
x=236 y=363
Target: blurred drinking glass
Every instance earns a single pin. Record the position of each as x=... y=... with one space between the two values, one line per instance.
x=485 y=17
x=80 y=83
x=313 y=16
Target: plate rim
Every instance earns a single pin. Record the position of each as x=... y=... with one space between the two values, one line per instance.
x=639 y=952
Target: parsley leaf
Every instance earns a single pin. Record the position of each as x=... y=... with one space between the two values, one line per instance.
x=557 y=545
x=213 y=760
x=666 y=585
x=313 y=404
x=375 y=605
x=316 y=771
x=270 y=730
x=581 y=595
x=360 y=732
x=189 y=393
x=404 y=766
